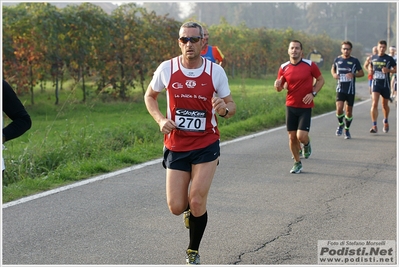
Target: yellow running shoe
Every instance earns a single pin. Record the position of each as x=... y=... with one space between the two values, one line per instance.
x=192 y=257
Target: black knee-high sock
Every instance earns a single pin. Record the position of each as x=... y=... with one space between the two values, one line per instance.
x=348 y=122
x=340 y=119
x=197 y=229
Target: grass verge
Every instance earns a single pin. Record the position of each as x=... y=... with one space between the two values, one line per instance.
x=74 y=141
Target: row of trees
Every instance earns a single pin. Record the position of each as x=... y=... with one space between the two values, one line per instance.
x=42 y=42
x=119 y=51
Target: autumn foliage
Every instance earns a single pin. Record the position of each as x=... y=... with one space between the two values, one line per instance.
x=120 y=51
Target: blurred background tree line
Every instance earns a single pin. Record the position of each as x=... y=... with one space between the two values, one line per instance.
x=118 y=47
x=360 y=22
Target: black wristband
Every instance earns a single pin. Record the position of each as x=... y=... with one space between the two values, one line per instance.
x=227 y=112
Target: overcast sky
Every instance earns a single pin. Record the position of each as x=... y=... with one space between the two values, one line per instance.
x=185 y=7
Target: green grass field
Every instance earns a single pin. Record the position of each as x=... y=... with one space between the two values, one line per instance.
x=74 y=140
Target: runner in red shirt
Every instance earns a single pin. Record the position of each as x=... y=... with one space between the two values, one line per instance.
x=197 y=94
x=299 y=75
x=366 y=67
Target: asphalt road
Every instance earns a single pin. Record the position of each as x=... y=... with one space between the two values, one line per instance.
x=259 y=213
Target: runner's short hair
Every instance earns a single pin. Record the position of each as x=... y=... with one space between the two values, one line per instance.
x=347 y=43
x=192 y=24
x=296 y=41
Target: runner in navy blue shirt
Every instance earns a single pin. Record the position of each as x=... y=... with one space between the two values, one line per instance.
x=381 y=65
x=345 y=69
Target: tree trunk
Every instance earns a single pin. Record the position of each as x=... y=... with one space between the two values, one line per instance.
x=56 y=90
x=83 y=84
x=32 y=101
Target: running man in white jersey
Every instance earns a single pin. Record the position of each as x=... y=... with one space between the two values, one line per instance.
x=197 y=94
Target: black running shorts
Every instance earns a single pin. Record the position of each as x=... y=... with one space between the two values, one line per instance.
x=298 y=118
x=183 y=160
x=350 y=99
x=385 y=92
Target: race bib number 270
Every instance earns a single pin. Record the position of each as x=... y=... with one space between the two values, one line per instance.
x=190 y=120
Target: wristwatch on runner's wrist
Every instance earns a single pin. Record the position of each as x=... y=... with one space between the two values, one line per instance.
x=227 y=112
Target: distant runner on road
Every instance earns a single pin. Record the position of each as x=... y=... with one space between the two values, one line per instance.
x=381 y=66
x=299 y=74
x=345 y=69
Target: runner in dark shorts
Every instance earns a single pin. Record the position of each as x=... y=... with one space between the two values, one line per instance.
x=198 y=96
x=382 y=66
x=303 y=80
x=345 y=70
